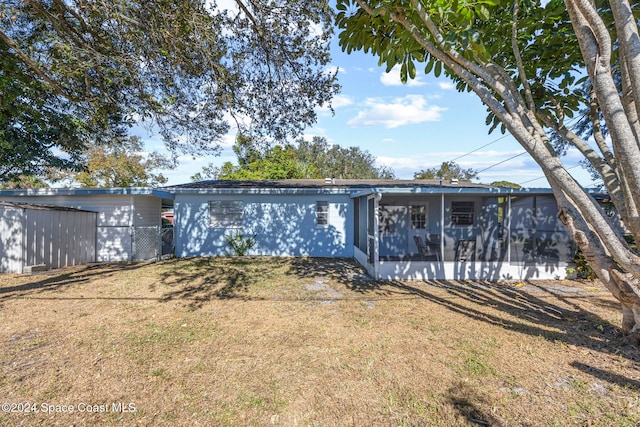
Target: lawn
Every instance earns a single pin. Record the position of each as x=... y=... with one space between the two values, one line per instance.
x=303 y=342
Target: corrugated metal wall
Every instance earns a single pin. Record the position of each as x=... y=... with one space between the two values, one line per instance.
x=53 y=237
x=11 y=239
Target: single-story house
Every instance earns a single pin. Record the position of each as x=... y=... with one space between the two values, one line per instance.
x=427 y=229
x=412 y=229
x=128 y=220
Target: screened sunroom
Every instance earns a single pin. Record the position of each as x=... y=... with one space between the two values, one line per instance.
x=450 y=231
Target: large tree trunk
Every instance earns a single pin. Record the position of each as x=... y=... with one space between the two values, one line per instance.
x=508 y=97
x=623 y=286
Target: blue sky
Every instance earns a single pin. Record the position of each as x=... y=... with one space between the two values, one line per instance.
x=406 y=127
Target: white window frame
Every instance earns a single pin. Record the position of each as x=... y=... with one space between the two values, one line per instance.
x=322 y=213
x=226 y=213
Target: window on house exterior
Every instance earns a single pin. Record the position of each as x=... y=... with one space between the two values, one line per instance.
x=322 y=213
x=226 y=213
x=418 y=217
x=462 y=213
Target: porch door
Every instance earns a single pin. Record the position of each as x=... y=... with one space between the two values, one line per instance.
x=372 y=223
x=418 y=225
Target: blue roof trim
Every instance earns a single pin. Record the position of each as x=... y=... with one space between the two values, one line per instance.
x=452 y=190
x=265 y=191
x=144 y=191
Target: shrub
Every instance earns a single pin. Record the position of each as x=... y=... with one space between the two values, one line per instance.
x=239 y=244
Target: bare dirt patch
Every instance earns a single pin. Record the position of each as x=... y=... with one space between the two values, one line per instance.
x=268 y=341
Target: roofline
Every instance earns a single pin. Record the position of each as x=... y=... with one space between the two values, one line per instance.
x=39 y=206
x=452 y=190
x=263 y=191
x=124 y=191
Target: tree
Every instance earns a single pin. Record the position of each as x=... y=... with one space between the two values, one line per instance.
x=188 y=68
x=527 y=62
x=447 y=170
x=120 y=165
x=334 y=161
x=315 y=159
x=506 y=184
x=276 y=163
x=208 y=172
x=35 y=133
x=24 y=181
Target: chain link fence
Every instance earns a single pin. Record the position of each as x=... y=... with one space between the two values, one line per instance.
x=146 y=242
x=152 y=243
x=167 y=242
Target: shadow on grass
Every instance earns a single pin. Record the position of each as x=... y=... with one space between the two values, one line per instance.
x=54 y=280
x=607 y=376
x=529 y=310
x=200 y=280
x=535 y=310
x=467 y=403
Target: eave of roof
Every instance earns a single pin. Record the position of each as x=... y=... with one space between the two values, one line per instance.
x=353 y=188
x=160 y=193
x=320 y=184
x=453 y=190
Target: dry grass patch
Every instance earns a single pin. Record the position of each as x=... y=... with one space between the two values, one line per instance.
x=270 y=341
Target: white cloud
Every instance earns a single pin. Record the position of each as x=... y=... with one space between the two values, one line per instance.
x=392 y=78
x=336 y=69
x=516 y=170
x=341 y=101
x=446 y=85
x=410 y=109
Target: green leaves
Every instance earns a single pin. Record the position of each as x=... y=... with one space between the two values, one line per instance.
x=314 y=159
x=184 y=67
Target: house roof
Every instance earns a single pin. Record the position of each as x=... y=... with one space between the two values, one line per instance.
x=352 y=187
x=325 y=183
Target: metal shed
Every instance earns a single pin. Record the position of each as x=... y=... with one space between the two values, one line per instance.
x=46 y=236
x=128 y=219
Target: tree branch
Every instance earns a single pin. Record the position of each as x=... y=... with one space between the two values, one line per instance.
x=593 y=41
x=35 y=68
x=629 y=47
x=516 y=53
x=594 y=117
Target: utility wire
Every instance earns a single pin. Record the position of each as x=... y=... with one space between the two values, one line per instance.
x=540 y=177
x=572 y=122
x=504 y=161
x=480 y=148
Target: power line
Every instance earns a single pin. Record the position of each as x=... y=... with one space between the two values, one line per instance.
x=480 y=148
x=540 y=177
x=504 y=161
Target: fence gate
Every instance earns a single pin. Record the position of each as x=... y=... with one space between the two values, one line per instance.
x=167 y=241
x=146 y=243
